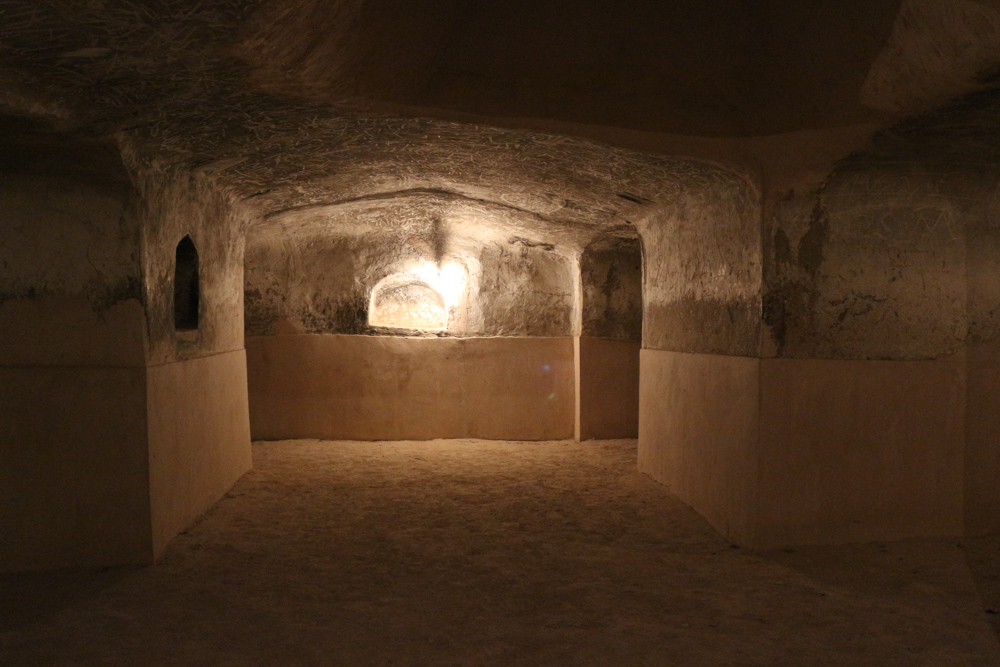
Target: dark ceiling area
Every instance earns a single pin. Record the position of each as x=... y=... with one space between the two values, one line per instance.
x=719 y=68
x=306 y=103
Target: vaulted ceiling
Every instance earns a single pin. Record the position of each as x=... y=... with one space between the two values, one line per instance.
x=304 y=105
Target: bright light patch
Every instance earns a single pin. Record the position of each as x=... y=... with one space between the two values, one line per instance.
x=419 y=298
x=449 y=280
x=407 y=301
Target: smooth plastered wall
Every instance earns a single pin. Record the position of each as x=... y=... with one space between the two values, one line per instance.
x=777 y=452
x=607 y=388
x=392 y=388
x=982 y=437
x=698 y=433
x=74 y=480
x=199 y=438
x=855 y=451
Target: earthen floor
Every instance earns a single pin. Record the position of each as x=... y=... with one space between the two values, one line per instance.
x=496 y=553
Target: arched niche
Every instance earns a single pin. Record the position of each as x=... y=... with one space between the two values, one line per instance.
x=405 y=301
x=186 y=288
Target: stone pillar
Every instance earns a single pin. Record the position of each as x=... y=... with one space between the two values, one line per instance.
x=116 y=431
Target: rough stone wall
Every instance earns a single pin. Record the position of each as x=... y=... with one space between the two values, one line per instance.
x=322 y=283
x=702 y=273
x=872 y=267
x=894 y=257
x=982 y=262
x=525 y=290
x=611 y=280
x=62 y=236
x=175 y=205
x=83 y=252
x=319 y=284
x=69 y=252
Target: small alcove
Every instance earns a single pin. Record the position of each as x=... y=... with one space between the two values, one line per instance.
x=405 y=301
x=186 y=289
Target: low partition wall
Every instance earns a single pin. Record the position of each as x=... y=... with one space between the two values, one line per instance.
x=982 y=428
x=74 y=477
x=343 y=387
x=103 y=465
x=858 y=451
x=776 y=452
x=698 y=428
x=607 y=388
x=199 y=438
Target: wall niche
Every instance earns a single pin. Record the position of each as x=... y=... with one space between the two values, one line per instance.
x=404 y=301
x=186 y=288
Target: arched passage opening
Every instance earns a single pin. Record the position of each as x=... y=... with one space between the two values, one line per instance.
x=607 y=349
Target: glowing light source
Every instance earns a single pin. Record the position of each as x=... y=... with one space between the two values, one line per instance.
x=449 y=280
x=407 y=301
x=418 y=298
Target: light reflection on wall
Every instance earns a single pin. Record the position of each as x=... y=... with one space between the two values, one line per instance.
x=418 y=299
x=449 y=280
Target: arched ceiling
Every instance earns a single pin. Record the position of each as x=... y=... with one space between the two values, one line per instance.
x=314 y=109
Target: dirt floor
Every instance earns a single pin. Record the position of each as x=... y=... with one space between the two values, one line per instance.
x=496 y=553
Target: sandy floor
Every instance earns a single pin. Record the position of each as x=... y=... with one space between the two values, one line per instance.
x=487 y=553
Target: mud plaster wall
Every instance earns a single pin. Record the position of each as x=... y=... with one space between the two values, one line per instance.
x=702 y=266
x=611 y=280
x=322 y=283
